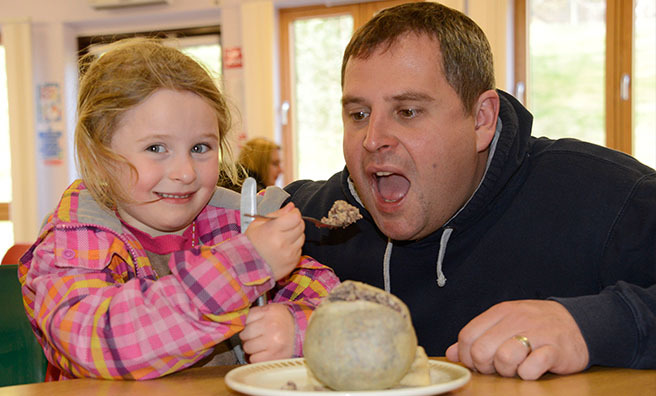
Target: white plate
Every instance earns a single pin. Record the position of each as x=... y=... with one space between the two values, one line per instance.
x=269 y=378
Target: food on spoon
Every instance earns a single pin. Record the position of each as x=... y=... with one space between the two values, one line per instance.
x=342 y=214
x=361 y=338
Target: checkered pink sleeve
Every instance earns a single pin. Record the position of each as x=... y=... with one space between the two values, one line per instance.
x=302 y=291
x=98 y=314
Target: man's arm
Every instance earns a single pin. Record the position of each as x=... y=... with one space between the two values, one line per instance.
x=618 y=325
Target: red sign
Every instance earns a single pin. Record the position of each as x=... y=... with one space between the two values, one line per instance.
x=232 y=58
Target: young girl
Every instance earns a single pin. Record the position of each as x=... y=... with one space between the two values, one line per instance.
x=142 y=270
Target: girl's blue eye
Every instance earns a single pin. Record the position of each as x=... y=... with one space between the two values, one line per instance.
x=155 y=148
x=200 y=148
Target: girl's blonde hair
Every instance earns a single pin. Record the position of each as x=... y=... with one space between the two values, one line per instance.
x=127 y=74
x=255 y=156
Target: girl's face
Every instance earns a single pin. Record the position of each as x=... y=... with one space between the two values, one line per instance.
x=172 y=139
x=274 y=168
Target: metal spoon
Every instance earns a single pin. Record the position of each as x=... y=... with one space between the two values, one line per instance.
x=312 y=220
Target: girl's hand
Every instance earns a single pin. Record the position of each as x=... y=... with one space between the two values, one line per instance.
x=269 y=333
x=279 y=241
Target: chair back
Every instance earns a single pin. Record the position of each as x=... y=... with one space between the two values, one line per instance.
x=21 y=358
x=14 y=253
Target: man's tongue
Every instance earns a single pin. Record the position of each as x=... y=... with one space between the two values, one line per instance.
x=393 y=187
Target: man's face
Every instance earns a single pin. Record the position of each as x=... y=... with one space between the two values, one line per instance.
x=414 y=155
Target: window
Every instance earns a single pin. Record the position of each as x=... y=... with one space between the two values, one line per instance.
x=201 y=43
x=566 y=69
x=316 y=145
x=644 y=82
x=589 y=71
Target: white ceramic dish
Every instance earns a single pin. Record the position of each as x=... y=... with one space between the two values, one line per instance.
x=271 y=379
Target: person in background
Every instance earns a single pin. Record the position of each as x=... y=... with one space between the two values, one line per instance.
x=260 y=158
x=516 y=255
x=142 y=270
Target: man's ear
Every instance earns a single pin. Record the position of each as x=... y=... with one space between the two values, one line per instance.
x=486 y=112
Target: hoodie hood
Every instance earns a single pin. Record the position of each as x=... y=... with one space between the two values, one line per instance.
x=510 y=152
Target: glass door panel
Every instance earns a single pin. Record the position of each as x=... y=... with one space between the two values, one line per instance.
x=317 y=47
x=566 y=68
x=644 y=81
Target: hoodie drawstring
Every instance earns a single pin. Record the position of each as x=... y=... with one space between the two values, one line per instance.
x=441 y=279
x=386 y=265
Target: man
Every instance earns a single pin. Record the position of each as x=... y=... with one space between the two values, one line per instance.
x=520 y=255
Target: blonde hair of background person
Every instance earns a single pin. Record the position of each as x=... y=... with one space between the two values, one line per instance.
x=147 y=272
x=261 y=159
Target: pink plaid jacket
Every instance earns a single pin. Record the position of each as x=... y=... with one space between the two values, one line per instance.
x=99 y=310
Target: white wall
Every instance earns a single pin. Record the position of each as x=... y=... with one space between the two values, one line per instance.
x=49 y=28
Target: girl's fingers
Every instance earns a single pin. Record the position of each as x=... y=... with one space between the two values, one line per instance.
x=253 y=346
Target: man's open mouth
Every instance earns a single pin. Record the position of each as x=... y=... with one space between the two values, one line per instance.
x=391 y=187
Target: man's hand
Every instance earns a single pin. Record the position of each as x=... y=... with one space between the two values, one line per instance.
x=487 y=343
x=279 y=241
x=269 y=333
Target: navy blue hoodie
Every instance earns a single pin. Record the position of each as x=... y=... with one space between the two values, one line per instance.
x=559 y=219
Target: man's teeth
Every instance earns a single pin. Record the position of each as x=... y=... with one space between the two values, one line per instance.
x=173 y=196
x=381 y=174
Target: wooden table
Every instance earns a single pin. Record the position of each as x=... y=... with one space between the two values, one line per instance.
x=597 y=381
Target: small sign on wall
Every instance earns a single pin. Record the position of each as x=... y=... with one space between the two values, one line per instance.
x=49 y=124
x=50 y=103
x=50 y=147
x=232 y=58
